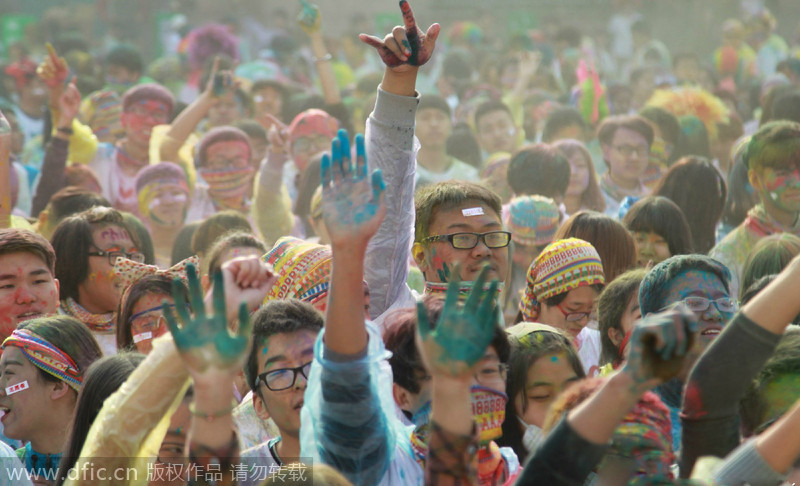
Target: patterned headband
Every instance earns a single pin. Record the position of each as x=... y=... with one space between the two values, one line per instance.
x=46 y=357
x=129 y=272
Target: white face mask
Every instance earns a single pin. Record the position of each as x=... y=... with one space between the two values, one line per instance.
x=532 y=437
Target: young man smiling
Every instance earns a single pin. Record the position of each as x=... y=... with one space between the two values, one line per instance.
x=773 y=160
x=28 y=288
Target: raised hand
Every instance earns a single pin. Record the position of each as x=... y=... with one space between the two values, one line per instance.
x=659 y=345
x=204 y=341
x=69 y=103
x=277 y=134
x=53 y=70
x=462 y=333
x=407 y=45
x=309 y=17
x=352 y=202
x=220 y=83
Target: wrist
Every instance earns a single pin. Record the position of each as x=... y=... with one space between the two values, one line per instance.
x=628 y=387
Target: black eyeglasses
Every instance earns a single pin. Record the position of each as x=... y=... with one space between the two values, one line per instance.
x=114 y=254
x=468 y=241
x=284 y=378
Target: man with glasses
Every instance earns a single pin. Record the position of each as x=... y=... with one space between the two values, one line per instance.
x=116 y=165
x=626 y=142
x=701 y=284
x=284 y=332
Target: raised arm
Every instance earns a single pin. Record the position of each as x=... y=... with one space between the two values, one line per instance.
x=310 y=20
x=390 y=148
x=720 y=377
x=576 y=446
x=220 y=84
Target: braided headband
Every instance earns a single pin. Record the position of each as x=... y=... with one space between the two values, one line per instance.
x=46 y=357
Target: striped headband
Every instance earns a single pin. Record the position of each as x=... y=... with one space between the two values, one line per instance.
x=46 y=357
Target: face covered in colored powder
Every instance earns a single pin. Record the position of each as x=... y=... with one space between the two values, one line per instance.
x=651 y=248
x=438 y=258
x=547 y=377
x=781 y=187
x=169 y=205
x=27 y=290
x=147 y=321
x=100 y=292
x=697 y=289
x=140 y=118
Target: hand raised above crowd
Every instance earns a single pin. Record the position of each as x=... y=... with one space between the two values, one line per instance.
x=407 y=47
x=309 y=18
x=220 y=83
x=352 y=202
x=462 y=334
x=53 y=70
x=69 y=104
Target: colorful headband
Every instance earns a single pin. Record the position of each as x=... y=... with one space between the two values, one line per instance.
x=129 y=272
x=46 y=357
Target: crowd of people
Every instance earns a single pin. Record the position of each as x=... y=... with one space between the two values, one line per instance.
x=402 y=260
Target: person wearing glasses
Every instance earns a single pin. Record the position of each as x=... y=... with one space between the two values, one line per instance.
x=87 y=245
x=702 y=285
x=141 y=317
x=563 y=284
x=277 y=371
x=625 y=141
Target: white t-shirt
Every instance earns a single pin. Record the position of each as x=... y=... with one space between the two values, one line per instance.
x=458 y=170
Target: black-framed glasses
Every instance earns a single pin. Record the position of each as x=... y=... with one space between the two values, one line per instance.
x=114 y=254
x=468 y=241
x=284 y=378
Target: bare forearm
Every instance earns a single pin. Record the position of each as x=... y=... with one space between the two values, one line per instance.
x=403 y=84
x=780 y=444
x=451 y=407
x=345 y=332
x=327 y=78
x=184 y=125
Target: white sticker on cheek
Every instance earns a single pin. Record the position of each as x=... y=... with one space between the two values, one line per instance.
x=472 y=212
x=23 y=385
x=137 y=338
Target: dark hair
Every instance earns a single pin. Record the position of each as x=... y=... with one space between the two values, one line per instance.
x=609 y=126
x=282 y=89
x=151 y=284
x=539 y=169
x=278 y=317
x=490 y=106
x=521 y=358
x=215 y=226
x=767 y=101
x=774 y=145
x=666 y=122
x=449 y=195
x=656 y=284
x=182 y=247
x=663 y=217
x=14 y=240
x=399 y=337
x=608 y=236
x=611 y=305
x=143 y=239
x=251 y=128
x=126 y=56
x=592 y=197
x=436 y=102
x=234 y=239
x=463 y=145
x=69 y=335
x=102 y=379
x=72 y=200
x=785 y=361
x=569 y=34
x=560 y=118
x=769 y=256
x=699 y=190
x=741 y=195
x=72 y=242
x=694 y=139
